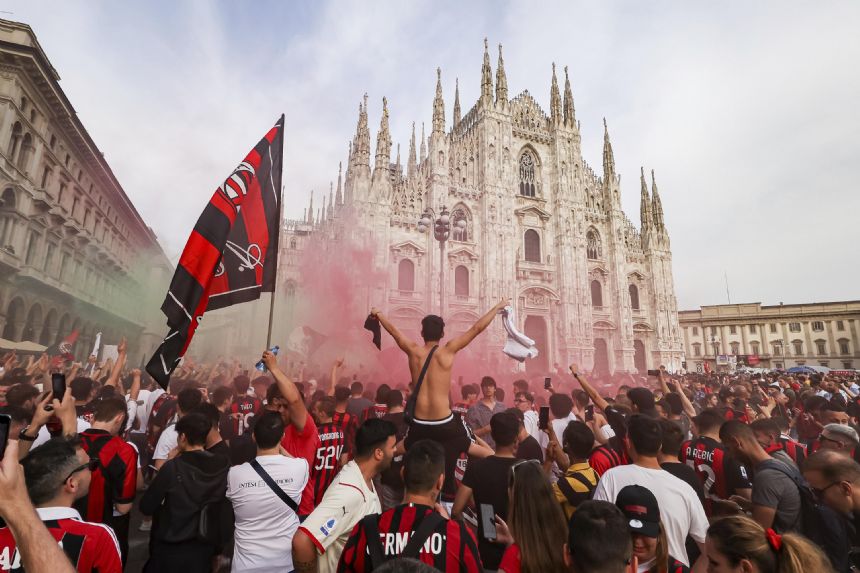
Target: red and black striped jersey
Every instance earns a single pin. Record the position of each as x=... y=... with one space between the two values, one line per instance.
x=606 y=457
x=115 y=479
x=461 y=408
x=163 y=409
x=720 y=474
x=795 y=450
x=375 y=411
x=91 y=547
x=327 y=460
x=242 y=411
x=451 y=547
x=349 y=423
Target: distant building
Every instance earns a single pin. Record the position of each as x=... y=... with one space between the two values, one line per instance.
x=780 y=336
x=74 y=252
x=540 y=225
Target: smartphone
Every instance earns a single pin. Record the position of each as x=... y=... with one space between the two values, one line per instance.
x=543 y=418
x=488 y=520
x=653 y=373
x=547 y=383
x=58 y=385
x=589 y=413
x=6 y=423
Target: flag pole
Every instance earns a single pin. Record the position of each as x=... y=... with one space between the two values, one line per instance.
x=277 y=260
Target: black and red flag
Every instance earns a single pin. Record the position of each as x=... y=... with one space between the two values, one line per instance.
x=231 y=255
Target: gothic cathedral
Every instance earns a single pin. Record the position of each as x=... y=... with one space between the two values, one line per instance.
x=529 y=219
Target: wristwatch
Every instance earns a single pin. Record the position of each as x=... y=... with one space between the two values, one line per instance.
x=22 y=435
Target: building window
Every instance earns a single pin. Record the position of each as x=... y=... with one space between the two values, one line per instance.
x=292 y=244
x=45 y=174
x=733 y=329
x=752 y=329
x=824 y=363
x=777 y=350
x=713 y=331
x=64 y=266
x=459 y=233
x=532 y=246
x=846 y=365
x=695 y=331
x=735 y=348
x=49 y=258
x=818 y=326
x=593 y=248
x=697 y=349
x=840 y=325
x=15 y=140
x=406 y=275
x=778 y=365
x=798 y=347
x=528 y=181
x=820 y=347
x=53 y=141
x=794 y=326
x=461 y=281
x=634 y=297
x=772 y=328
x=26 y=152
x=291 y=289
x=31 y=248
x=68 y=158
x=843 y=346
x=754 y=347
x=596 y=294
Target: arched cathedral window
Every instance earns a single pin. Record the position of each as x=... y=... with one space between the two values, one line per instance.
x=532 y=246
x=634 y=297
x=459 y=233
x=593 y=247
x=406 y=275
x=461 y=281
x=528 y=180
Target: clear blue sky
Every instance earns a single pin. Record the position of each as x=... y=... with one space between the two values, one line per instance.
x=747 y=111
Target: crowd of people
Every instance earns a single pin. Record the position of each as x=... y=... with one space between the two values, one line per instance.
x=299 y=470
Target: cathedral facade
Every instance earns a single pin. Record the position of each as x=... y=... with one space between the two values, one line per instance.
x=529 y=219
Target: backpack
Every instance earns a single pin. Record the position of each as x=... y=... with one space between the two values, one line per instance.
x=570 y=494
x=819 y=523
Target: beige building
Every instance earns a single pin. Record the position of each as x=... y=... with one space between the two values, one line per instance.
x=531 y=219
x=74 y=252
x=780 y=336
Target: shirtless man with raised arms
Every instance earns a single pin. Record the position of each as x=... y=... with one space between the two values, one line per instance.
x=433 y=418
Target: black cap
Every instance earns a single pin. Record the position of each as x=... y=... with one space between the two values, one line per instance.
x=641 y=510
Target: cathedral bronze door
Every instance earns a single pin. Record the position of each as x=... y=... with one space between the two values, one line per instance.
x=639 y=356
x=535 y=328
x=601 y=358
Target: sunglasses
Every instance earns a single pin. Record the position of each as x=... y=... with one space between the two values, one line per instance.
x=513 y=473
x=819 y=493
x=91 y=465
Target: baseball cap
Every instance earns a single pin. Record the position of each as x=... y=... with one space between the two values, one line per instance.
x=640 y=510
x=841 y=432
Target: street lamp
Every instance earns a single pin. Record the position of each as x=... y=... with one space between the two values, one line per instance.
x=441 y=232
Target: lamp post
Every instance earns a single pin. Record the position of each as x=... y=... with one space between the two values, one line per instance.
x=441 y=232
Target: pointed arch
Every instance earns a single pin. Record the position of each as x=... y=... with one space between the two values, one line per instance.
x=461 y=212
x=528 y=169
x=593 y=244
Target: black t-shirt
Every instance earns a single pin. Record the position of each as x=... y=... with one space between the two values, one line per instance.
x=686 y=474
x=391 y=476
x=488 y=480
x=221 y=449
x=529 y=449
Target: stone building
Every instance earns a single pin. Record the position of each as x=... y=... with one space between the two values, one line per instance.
x=541 y=226
x=74 y=252
x=778 y=336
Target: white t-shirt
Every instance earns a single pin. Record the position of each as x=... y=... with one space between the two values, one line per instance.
x=345 y=503
x=142 y=412
x=680 y=509
x=150 y=402
x=168 y=440
x=559 y=426
x=44 y=435
x=265 y=525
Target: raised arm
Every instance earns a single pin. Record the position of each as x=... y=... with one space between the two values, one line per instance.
x=334 y=368
x=462 y=341
x=685 y=402
x=295 y=404
x=404 y=343
x=588 y=388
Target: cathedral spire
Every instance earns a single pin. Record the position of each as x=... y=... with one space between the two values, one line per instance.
x=486 y=77
x=324 y=212
x=569 y=111
x=501 y=80
x=645 y=203
x=554 y=100
x=330 y=213
x=438 y=106
x=399 y=167
x=411 y=165
x=608 y=157
x=311 y=209
x=423 y=155
x=361 y=146
x=339 y=196
x=383 y=140
x=656 y=205
x=456 y=103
